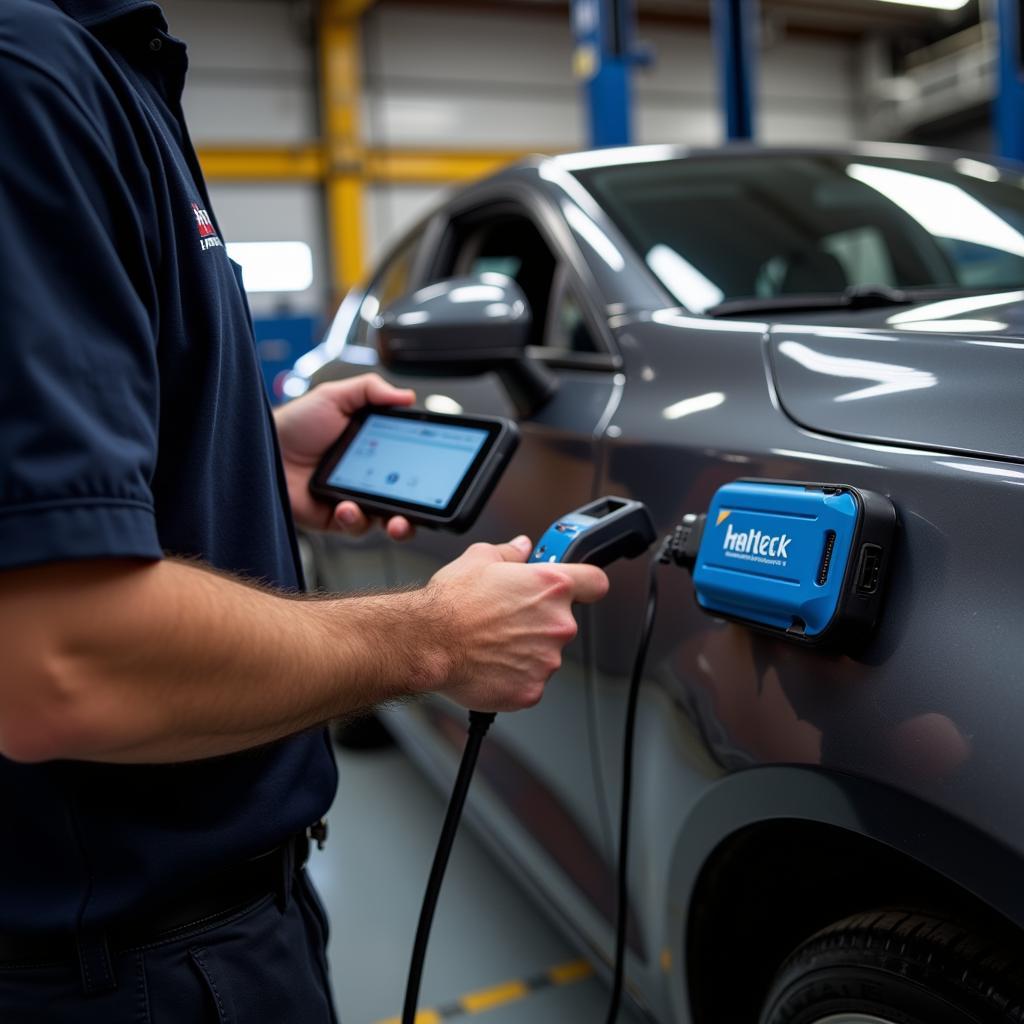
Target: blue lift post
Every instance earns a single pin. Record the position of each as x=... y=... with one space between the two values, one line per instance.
x=735 y=26
x=603 y=61
x=1009 y=109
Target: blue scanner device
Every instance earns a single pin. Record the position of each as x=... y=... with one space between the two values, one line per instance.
x=598 y=533
x=805 y=560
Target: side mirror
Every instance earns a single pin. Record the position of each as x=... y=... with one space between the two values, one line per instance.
x=465 y=326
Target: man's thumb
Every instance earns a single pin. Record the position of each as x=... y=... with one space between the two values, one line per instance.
x=516 y=550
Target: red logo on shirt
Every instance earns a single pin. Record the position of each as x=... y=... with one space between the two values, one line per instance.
x=203 y=222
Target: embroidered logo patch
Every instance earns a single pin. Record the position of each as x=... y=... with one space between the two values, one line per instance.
x=208 y=237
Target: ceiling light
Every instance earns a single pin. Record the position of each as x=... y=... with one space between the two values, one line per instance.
x=937 y=5
x=273 y=266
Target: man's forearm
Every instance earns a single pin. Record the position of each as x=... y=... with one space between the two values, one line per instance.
x=170 y=662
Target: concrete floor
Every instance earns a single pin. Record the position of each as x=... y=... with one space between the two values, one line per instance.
x=371 y=876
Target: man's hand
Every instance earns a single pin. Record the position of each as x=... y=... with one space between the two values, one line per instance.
x=507 y=622
x=308 y=426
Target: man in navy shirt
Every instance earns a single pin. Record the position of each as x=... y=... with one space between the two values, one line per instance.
x=164 y=686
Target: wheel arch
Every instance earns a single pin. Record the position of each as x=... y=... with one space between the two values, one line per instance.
x=799 y=847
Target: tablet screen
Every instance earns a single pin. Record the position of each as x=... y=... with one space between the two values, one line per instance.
x=408 y=460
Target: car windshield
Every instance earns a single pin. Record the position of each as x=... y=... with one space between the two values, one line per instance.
x=760 y=226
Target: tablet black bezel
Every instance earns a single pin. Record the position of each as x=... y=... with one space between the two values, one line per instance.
x=321 y=488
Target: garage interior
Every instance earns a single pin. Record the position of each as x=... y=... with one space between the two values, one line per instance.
x=328 y=128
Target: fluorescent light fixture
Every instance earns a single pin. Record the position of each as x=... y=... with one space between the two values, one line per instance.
x=941 y=208
x=688 y=406
x=683 y=279
x=936 y=5
x=273 y=266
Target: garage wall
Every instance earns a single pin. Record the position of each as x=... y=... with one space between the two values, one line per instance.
x=437 y=77
x=492 y=78
x=251 y=80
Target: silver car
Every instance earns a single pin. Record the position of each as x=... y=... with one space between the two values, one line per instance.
x=817 y=837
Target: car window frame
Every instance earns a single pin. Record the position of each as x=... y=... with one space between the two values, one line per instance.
x=429 y=229
x=502 y=199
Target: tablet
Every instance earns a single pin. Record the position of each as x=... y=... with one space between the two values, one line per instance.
x=435 y=469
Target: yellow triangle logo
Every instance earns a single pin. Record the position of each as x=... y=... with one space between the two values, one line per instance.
x=723 y=515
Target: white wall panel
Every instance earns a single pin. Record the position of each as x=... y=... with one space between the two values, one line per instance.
x=277 y=213
x=439 y=77
x=393 y=209
x=251 y=70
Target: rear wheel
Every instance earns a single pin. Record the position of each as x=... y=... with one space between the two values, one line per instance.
x=898 y=967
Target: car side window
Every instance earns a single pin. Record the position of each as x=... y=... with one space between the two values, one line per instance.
x=510 y=243
x=567 y=327
x=392 y=282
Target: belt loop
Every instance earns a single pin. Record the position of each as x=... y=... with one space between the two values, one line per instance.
x=287 y=866
x=97 y=974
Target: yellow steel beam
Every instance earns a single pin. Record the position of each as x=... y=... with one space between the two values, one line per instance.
x=309 y=163
x=407 y=166
x=340 y=84
x=263 y=163
x=346 y=10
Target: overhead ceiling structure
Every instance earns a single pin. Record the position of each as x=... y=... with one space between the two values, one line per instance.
x=844 y=17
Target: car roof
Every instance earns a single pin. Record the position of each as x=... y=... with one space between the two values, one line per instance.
x=529 y=166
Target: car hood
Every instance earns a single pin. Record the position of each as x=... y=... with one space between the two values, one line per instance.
x=945 y=375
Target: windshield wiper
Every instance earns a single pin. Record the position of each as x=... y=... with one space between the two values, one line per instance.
x=856 y=297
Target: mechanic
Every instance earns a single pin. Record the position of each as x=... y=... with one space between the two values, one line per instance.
x=165 y=685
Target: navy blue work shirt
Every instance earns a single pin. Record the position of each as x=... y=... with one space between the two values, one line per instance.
x=133 y=423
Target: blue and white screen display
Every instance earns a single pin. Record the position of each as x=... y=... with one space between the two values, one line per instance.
x=408 y=460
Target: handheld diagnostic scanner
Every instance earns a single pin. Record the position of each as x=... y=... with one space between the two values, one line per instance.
x=805 y=560
x=598 y=533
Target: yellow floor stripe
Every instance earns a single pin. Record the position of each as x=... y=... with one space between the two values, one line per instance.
x=496 y=995
x=566 y=974
x=422 y=1017
x=490 y=998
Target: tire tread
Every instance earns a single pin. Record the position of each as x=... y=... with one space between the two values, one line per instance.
x=920 y=947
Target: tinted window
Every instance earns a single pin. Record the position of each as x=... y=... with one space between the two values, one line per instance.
x=391 y=283
x=510 y=244
x=567 y=329
x=737 y=227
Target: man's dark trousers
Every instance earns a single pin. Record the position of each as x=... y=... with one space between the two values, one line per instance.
x=259 y=965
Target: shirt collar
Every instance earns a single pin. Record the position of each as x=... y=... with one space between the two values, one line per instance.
x=92 y=13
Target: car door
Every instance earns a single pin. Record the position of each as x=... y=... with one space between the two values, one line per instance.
x=539 y=800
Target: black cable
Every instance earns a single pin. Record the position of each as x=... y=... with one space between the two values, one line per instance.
x=479 y=723
x=622 y=903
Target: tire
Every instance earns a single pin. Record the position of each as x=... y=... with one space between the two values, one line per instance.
x=898 y=967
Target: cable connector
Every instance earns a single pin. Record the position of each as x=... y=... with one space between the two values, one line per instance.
x=680 y=547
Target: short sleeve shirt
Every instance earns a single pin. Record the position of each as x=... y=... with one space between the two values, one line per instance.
x=133 y=424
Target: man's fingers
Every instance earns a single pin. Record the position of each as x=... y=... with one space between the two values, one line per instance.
x=399 y=528
x=349 y=518
x=380 y=392
x=589 y=584
x=367 y=389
